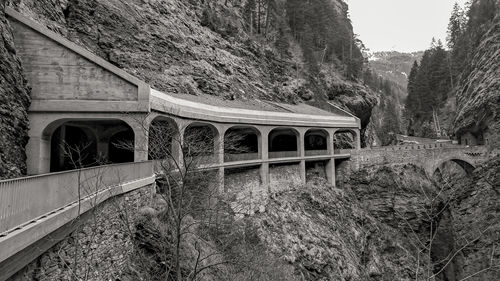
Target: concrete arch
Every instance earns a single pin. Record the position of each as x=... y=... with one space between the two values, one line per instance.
x=284 y=142
x=242 y=142
x=43 y=125
x=340 y=141
x=95 y=134
x=201 y=139
x=316 y=139
x=164 y=138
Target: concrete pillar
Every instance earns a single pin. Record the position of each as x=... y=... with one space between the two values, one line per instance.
x=330 y=137
x=220 y=179
x=38 y=155
x=263 y=140
x=140 y=144
x=219 y=155
x=302 y=153
x=358 y=139
x=177 y=141
x=330 y=171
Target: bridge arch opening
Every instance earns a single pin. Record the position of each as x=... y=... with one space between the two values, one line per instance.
x=453 y=166
x=162 y=135
x=86 y=143
x=200 y=141
x=241 y=143
x=316 y=142
x=346 y=139
x=283 y=142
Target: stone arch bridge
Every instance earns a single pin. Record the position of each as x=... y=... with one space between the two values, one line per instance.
x=430 y=157
x=77 y=96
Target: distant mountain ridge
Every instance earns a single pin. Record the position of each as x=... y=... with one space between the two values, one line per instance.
x=393 y=65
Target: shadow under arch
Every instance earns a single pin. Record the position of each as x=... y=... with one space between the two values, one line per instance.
x=283 y=142
x=464 y=164
x=242 y=142
x=163 y=133
x=199 y=139
x=316 y=140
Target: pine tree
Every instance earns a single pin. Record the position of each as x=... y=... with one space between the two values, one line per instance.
x=281 y=43
x=456 y=26
x=411 y=100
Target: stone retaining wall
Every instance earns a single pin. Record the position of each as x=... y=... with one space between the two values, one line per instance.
x=99 y=248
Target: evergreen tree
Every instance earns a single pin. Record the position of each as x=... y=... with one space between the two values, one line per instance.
x=411 y=100
x=281 y=43
x=456 y=26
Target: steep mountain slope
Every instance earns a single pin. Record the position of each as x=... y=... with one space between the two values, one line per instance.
x=394 y=66
x=197 y=48
x=14 y=102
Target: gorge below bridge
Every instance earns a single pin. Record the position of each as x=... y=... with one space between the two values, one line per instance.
x=78 y=97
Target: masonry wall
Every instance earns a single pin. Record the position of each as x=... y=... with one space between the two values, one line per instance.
x=100 y=248
x=246 y=192
x=283 y=177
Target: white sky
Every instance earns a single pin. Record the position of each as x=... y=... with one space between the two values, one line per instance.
x=400 y=25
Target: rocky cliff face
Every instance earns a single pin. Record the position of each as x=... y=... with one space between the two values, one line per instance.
x=329 y=234
x=478 y=98
x=475 y=210
x=14 y=102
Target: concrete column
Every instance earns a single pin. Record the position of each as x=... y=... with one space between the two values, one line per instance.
x=219 y=144
x=38 y=155
x=330 y=171
x=330 y=147
x=302 y=153
x=358 y=139
x=220 y=180
x=140 y=144
x=263 y=140
x=177 y=141
x=219 y=155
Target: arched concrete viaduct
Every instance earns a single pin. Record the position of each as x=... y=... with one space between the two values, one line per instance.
x=100 y=97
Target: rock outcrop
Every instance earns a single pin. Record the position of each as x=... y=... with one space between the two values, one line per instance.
x=14 y=103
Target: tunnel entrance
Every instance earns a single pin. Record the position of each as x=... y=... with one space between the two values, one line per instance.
x=78 y=144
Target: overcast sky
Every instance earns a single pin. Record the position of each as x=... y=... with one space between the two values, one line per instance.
x=400 y=25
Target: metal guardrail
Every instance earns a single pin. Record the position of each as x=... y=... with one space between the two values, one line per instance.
x=25 y=199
